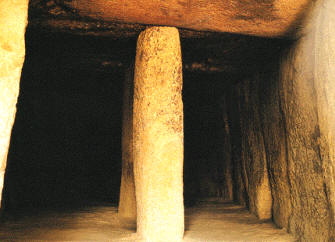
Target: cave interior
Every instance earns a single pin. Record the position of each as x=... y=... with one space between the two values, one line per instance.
x=258 y=115
x=67 y=132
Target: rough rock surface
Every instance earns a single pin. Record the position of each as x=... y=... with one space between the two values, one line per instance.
x=158 y=135
x=273 y=128
x=234 y=113
x=251 y=182
x=284 y=117
x=13 y=19
x=253 y=154
x=127 y=202
x=307 y=104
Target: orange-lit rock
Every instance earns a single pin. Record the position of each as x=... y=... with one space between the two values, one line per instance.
x=262 y=18
x=127 y=203
x=297 y=105
x=13 y=20
x=254 y=164
x=158 y=135
x=307 y=92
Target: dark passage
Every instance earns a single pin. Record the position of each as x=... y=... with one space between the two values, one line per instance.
x=203 y=144
x=66 y=141
x=65 y=148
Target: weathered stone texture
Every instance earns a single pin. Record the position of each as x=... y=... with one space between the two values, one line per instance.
x=307 y=93
x=13 y=19
x=283 y=127
x=323 y=23
x=127 y=202
x=240 y=183
x=253 y=152
x=251 y=180
x=158 y=135
x=275 y=143
x=297 y=118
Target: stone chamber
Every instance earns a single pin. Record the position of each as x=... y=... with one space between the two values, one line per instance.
x=257 y=126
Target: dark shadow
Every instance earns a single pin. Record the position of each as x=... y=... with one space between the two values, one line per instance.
x=66 y=142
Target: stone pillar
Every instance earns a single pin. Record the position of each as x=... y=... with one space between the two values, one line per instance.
x=13 y=19
x=158 y=135
x=228 y=166
x=127 y=203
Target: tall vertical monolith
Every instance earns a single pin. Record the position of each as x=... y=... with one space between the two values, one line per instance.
x=127 y=202
x=158 y=135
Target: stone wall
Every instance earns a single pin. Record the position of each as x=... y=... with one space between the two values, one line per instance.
x=306 y=103
x=282 y=132
x=234 y=116
x=253 y=154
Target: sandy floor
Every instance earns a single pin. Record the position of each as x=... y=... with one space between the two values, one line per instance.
x=206 y=222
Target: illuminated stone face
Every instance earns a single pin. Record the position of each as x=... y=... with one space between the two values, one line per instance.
x=13 y=19
x=263 y=18
x=158 y=135
x=307 y=92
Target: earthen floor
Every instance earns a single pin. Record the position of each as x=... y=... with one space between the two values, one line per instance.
x=209 y=220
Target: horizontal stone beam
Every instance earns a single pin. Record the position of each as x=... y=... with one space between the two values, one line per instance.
x=269 y=18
